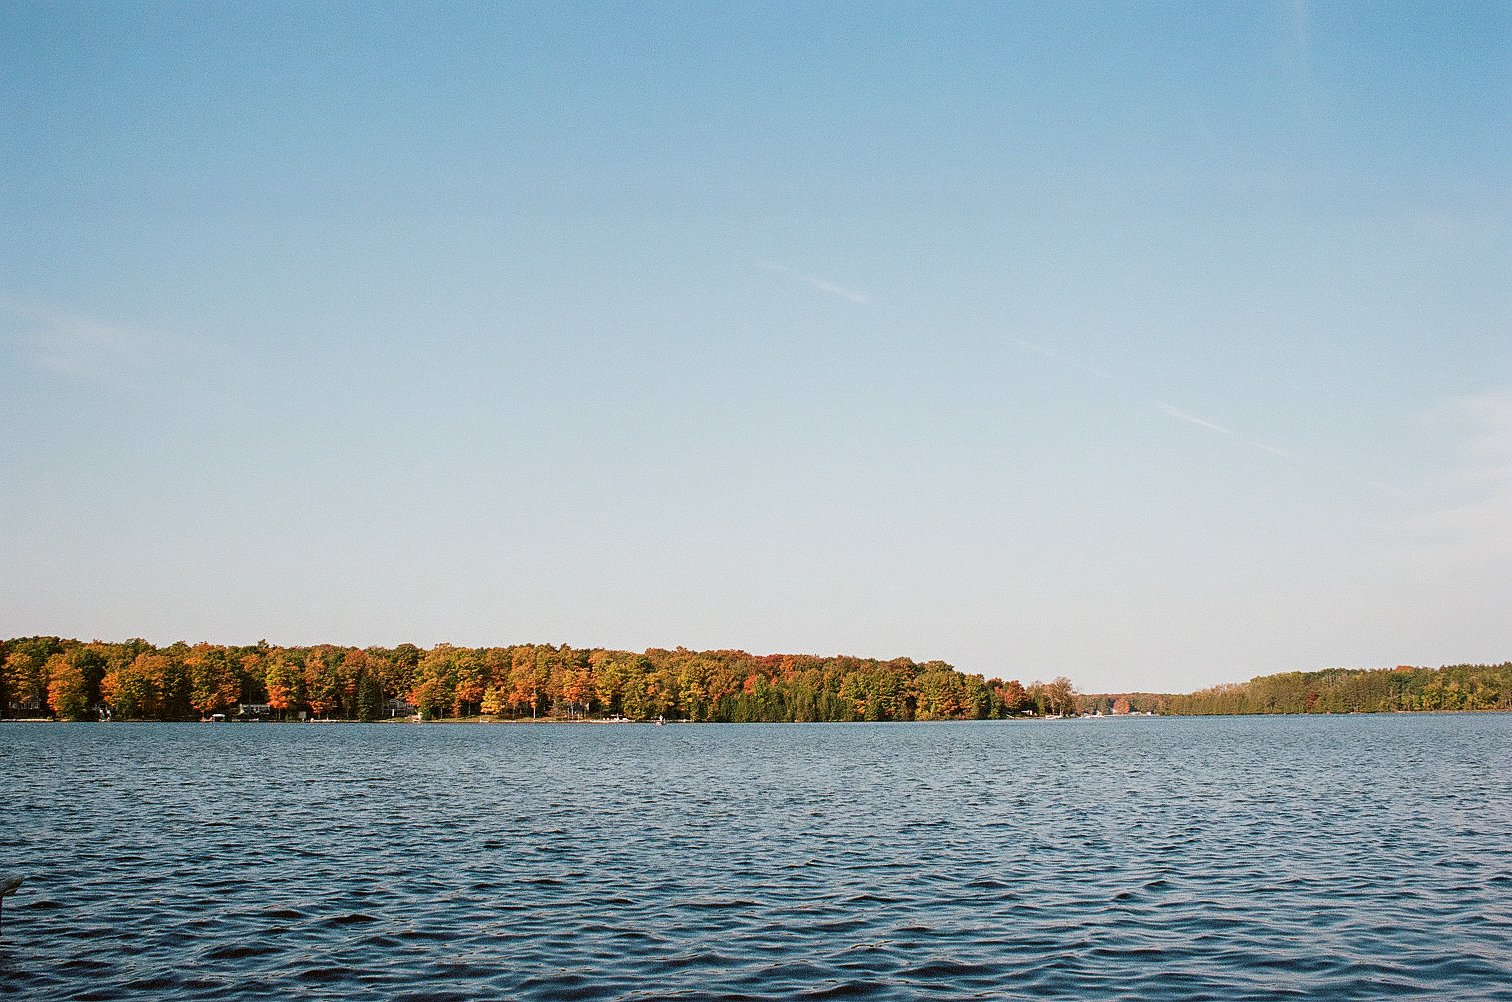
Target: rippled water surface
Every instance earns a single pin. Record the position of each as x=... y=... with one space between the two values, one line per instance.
x=1259 y=858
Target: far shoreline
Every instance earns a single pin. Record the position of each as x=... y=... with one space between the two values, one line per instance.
x=560 y=722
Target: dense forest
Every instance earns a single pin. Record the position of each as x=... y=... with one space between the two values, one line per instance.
x=134 y=680
x=1333 y=690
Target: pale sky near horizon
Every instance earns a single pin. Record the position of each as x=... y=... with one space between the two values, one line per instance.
x=1155 y=345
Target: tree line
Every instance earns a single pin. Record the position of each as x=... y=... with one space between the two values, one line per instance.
x=1333 y=690
x=135 y=680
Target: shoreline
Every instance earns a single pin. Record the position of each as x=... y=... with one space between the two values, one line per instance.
x=490 y=722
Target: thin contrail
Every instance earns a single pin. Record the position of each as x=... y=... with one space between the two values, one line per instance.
x=814 y=282
x=1171 y=410
x=1177 y=412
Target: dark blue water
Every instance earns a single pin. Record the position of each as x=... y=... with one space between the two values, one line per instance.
x=1249 y=858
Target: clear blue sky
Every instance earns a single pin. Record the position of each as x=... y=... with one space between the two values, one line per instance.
x=1154 y=345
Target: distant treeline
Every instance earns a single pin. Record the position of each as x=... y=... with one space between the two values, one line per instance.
x=134 y=680
x=1333 y=690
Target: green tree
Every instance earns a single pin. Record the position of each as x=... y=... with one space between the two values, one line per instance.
x=370 y=699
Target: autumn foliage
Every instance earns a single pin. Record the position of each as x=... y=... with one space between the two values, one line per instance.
x=68 y=679
x=135 y=680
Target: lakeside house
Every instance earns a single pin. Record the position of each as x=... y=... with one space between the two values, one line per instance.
x=255 y=712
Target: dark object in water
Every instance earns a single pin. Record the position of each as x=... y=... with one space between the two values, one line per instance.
x=8 y=885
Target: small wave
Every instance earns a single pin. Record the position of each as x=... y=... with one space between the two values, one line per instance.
x=562 y=987
x=323 y=975
x=238 y=951
x=949 y=970
x=355 y=918
x=845 y=990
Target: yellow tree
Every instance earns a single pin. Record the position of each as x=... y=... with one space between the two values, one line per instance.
x=529 y=673
x=213 y=685
x=66 y=691
x=284 y=681
x=135 y=691
x=470 y=672
x=435 y=682
x=327 y=689
x=25 y=680
x=577 y=688
x=1061 y=695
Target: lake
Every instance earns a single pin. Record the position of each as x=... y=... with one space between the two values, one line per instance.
x=1147 y=858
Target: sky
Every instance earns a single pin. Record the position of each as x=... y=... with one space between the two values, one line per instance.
x=1155 y=345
